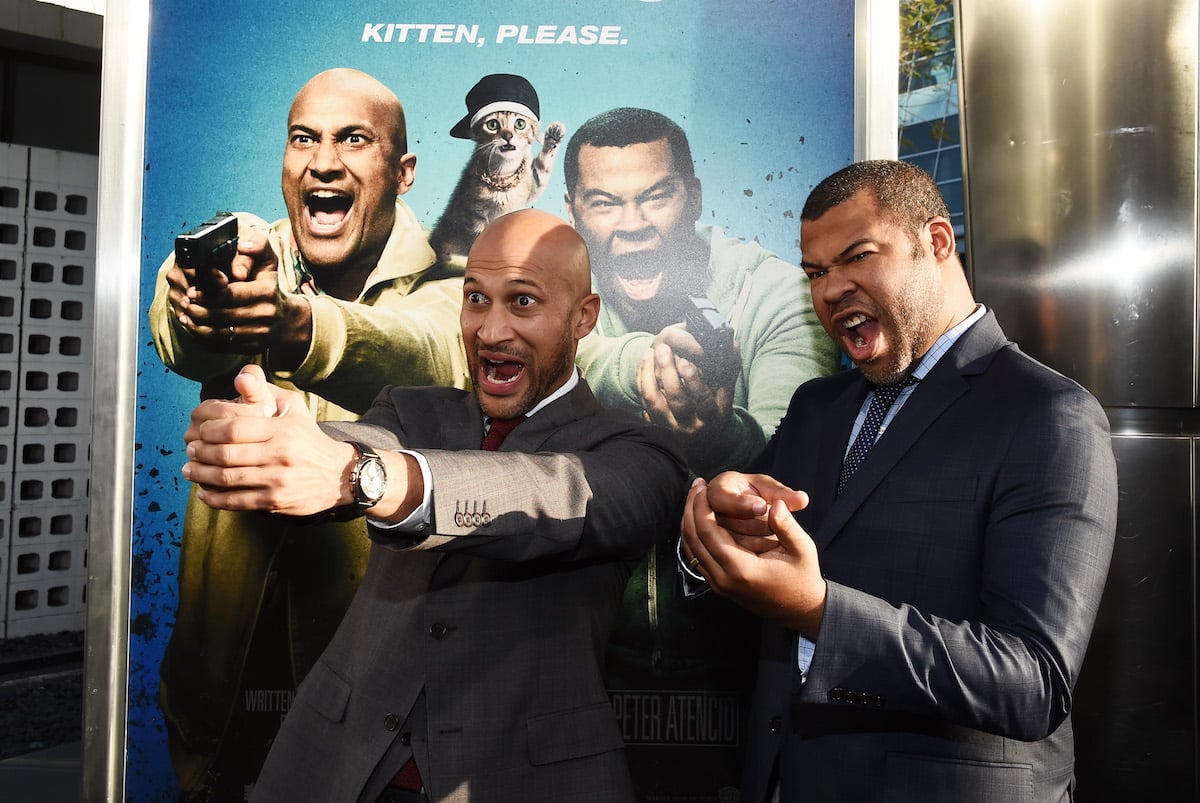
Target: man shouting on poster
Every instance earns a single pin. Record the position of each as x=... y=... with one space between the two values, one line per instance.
x=335 y=301
x=698 y=330
x=701 y=334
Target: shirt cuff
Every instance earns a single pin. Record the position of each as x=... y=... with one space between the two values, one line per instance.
x=417 y=522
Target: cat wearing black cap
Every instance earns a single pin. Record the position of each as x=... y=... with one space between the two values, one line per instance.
x=502 y=176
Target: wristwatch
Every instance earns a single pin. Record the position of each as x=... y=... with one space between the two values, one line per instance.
x=368 y=479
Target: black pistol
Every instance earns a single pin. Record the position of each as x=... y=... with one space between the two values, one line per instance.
x=208 y=247
x=720 y=364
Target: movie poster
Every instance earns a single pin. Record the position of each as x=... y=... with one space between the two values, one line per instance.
x=763 y=94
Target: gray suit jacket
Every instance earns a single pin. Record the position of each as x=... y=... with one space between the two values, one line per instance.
x=480 y=648
x=965 y=562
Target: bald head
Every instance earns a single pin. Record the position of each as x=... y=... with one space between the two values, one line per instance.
x=541 y=242
x=527 y=300
x=372 y=96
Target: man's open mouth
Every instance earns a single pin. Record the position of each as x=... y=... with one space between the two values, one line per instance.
x=497 y=376
x=327 y=210
x=852 y=324
x=860 y=335
x=640 y=289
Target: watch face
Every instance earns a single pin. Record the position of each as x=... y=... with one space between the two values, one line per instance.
x=372 y=479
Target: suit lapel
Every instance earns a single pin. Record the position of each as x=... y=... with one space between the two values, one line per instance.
x=928 y=400
x=464 y=430
x=835 y=437
x=531 y=435
x=940 y=388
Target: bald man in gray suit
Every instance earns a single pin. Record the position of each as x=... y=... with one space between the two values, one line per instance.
x=469 y=664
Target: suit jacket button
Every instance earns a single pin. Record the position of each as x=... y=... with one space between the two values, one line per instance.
x=406 y=738
x=391 y=722
x=837 y=694
x=776 y=724
x=438 y=630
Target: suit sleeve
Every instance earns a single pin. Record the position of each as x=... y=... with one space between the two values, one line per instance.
x=1045 y=539
x=609 y=498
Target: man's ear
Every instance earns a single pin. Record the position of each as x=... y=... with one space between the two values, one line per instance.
x=406 y=173
x=941 y=235
x=589 y=312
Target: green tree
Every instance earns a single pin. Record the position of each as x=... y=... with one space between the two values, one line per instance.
x=926 y=48
x=925 y=38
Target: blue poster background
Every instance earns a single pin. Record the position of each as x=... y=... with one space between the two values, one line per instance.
x=764 y=91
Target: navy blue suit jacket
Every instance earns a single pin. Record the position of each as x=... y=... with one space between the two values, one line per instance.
x=965 y=563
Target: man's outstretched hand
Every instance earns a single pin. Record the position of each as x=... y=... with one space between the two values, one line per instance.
x=264 y=451
x=748 y=547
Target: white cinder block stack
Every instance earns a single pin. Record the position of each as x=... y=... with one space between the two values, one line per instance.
x=51 y=435
x=14 y=182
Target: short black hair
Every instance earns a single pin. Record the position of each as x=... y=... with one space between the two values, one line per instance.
x=619 y=128
x=903 y=192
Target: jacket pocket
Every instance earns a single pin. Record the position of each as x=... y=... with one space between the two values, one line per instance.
x=922 y=778
x=326 y=692
x=575 y=733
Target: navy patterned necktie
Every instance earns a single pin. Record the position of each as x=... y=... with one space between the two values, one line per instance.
x=498 y=431
x=885 y=396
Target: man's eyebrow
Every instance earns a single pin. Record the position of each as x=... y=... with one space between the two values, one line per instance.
x=593 y=192
x=517 y=283
x=520 y=283
x=662 y=183
x=355 y=128
x=854 y=246
x=344 y=131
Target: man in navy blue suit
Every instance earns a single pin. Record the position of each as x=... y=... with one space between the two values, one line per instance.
x=926 y=537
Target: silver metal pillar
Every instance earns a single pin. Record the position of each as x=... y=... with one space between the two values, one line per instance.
x=1079 y=125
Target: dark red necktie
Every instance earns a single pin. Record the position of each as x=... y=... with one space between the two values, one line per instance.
x=498 y=431
x=407 y=778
